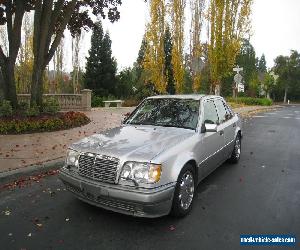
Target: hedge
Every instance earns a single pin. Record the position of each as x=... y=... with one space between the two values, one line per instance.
x=19 y=125
x=251 y=101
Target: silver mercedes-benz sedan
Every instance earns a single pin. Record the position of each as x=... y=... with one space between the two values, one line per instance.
x=151 y=165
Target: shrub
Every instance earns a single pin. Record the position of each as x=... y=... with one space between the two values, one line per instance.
x=6 y=109
x=51 y=106
x=251 y=101
x=130 y=103
x=23 y=107
x=33 y=110
x=59 y=121
x=97 y=101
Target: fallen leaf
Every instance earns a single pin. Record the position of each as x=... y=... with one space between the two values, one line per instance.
x=39 y=225
x=241 y=179
x=172 y=228
x=67 y=219
x=29 y=235
x=10 y=234
x=7 y=212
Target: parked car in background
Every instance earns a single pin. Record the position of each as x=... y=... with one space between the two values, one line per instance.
x=151 y=165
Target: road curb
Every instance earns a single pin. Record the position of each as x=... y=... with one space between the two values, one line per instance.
x=12 y=175
x=262 y=109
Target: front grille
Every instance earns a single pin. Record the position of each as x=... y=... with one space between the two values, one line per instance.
x=98 y=167
x=72 y=188
x=115 y=204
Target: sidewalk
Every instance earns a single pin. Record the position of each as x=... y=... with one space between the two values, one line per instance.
x=21 y=151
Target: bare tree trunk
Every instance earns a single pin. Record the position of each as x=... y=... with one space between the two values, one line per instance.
x=285 y=94
x=9 y=84
x=44 y=45
x=7 y=63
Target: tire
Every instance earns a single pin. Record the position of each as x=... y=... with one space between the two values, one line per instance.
x=236 y=153
x=184 y=192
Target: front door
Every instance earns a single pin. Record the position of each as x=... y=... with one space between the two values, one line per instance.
x=211 y=142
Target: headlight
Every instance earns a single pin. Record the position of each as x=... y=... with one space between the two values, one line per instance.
x=141 y=172
x=72 y=158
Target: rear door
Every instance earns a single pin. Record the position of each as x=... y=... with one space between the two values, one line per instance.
x=228 y=125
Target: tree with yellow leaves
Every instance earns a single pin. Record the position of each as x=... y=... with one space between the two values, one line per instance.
x=154 y=61
x=229 y=21
x=177 y=18
x=24 y=66
x=197 y=11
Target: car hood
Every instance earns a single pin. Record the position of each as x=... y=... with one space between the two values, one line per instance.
x=133 y=142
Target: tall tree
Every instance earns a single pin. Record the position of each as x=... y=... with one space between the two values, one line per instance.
x=262 y=64
x=139 y=64
x=197 y=10
x=247 y=60
x=101 y=67
x=76 y=45
x=168 y=71
x=24 y=65
x=288 y=70
x=229 y=22
x=154 y=58
x=177 y=17
x=11 y=14
x=51 y=18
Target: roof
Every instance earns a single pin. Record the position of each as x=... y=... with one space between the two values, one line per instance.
x=191 y=96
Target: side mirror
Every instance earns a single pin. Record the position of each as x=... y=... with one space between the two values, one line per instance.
x=208 y=127
x=126 y=116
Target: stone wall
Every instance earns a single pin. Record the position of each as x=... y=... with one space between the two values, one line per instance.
x=66 y=101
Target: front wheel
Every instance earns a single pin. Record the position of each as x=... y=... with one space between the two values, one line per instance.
x=184 y=192
x=236 y=153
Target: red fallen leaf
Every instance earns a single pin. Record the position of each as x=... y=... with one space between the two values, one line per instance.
x=24 y=146
x=7 y=155
x=172 y=228
x=23 y=161
x=54 y=147
x=17 y=145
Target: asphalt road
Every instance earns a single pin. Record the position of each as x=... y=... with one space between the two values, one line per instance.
x=260 y=195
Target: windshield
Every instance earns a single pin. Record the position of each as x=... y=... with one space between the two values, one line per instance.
x=167 y=112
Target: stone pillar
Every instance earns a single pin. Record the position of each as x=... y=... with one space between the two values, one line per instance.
x=86 y=99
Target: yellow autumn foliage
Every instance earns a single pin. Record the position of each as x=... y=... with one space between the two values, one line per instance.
x=177 y=18
x=229 y=21
x=197 y=12
x=154 y=60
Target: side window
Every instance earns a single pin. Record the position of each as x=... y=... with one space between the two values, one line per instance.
x=228 y=110
x=210 y=113
x=223 y=115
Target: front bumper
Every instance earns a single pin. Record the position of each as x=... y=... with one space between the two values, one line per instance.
x=127 y=200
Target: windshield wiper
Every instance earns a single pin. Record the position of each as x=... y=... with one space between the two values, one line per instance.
x=174 y=126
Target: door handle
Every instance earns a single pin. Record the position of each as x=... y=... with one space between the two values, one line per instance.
x=221 y=132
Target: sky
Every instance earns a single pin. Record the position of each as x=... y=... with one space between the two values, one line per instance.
x=275 y=30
